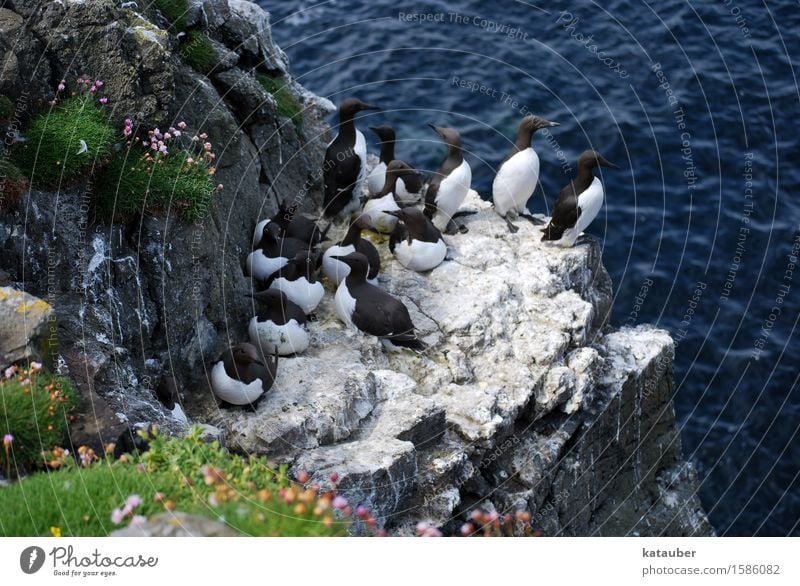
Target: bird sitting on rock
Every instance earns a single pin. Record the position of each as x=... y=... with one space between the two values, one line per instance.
x=279 y=325
x=415 y=242
x=272 y=252
x=298 y=280
x=336 y=270
x=376 y=208
x=241 y=376
x=409 y=186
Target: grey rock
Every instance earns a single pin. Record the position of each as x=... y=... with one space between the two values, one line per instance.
x=27 y=328
x=177 y=524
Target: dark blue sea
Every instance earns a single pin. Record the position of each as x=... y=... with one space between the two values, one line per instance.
x=698 y=103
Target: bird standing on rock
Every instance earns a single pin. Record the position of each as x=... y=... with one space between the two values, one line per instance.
x=578 y=203
x=372 y=310
x=336 y=270
x=416 y=242
x=272 y=252
x=518 y=174
x=345 y=165
x=242 y=376
x=449 y=185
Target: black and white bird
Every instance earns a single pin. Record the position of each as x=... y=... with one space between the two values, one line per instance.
x=272 y=252
x=336 y=270
x=279 y=325
x=345 y=166
x=415 y=242
x=409 y=185
x=373 y=311
x=241 y=376
x=449 y=185
x=578 y=203
x=298 y=280
x=518 y=174
x=377 y=208
x=167 y=393
x=292 y=225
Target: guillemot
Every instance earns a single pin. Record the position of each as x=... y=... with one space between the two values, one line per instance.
x=336 y=270
x=279 y=324
x=449 y=185
x=409 y=185
x=241 y=376
x=415 y=242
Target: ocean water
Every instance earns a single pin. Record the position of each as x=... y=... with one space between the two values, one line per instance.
x=698 y=105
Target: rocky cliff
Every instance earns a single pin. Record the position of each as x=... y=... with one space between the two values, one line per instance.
x=526 y=399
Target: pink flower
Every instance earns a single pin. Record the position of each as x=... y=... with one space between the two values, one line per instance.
x=362 y=512
x=8 y=439
x=303 y=477
x=181 y=125
x=176 y=133
x=163 y=149
x=98 y=83
x=189 y=160
x=220 y=187
x=167 y=136
x=10 y=371
x=117 y=516
x=80 y=80
x=467 y=529
x=339 y=502
x=36 y=366
x=104 y=100
x=61 y=86
x=334 y=477
x=93 y=89
x=138 y=520
x=141 y=467
x=133 y=501
x=204 y=136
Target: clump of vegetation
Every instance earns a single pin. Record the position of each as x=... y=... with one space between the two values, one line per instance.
x=6 y=108
x=186 y=474
x=198 y=52
x=173 y=10
x=492 y=524
x=163 y=172
x=70 y=138
x=288 y=105
x=34 y=412
x=12 y=185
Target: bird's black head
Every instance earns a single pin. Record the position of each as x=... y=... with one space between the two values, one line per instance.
x=269 y=297
x=244 y=354
x=409 y=215
x=532 y=123
x=385 y=133
x=450 y=136
x=592 y=159
x=352 y=106
x=357 y=262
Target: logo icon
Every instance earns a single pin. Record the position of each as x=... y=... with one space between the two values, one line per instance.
x=31 y=559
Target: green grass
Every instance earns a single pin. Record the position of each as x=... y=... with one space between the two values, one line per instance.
x=35 y=413
x=191 y=476
x=6 y=108
x=198 y=52
x=49 y=154
x=174 y=11
x=129 y=186
x=288 y=105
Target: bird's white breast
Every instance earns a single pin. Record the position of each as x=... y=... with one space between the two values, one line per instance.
x=231 y=390
x=345 y=304
x=261 y=266
x=259 y=232
x=590 y=202
x=306 y=295
x=290 y=338
x=375 y=210
x=334 y=269
x=453 y=189
x=515 y=182
x=419 y=255
x=376 y=178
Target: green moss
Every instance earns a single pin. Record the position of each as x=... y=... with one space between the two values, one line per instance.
x=131 y=185
x=174 y=11
x=6 y=108
x=288 y=105
x=53 y=140
x=198 y=52
x=191 y=476
x=9 y=171
x=34 y=408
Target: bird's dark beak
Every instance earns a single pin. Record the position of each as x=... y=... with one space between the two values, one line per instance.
x=436 y=128
x=333 y=256
x=258 y=362
x=395 y=213
x=605 y=163
x=373 y=129
x=251 y=295
x=369 y=107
